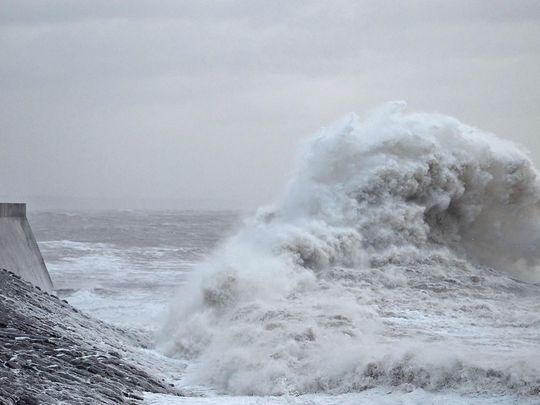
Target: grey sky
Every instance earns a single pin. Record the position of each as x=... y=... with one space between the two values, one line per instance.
x=203 y=103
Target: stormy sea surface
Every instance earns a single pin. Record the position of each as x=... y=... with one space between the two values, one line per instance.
x=400 y=265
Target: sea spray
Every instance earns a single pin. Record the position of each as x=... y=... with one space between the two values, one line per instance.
x=394 y=258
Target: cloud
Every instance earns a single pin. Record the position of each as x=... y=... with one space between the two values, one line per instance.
x=207 y=100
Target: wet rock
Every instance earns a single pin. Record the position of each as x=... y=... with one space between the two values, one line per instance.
x=51 y=353
x=27 y=400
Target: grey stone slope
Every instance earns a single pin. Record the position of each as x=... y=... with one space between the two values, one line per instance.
x=52 y=354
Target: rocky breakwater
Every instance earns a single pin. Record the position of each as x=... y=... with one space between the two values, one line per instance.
x=50 y=353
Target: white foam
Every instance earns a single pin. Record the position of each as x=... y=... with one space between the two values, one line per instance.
x=372 y=265
x=369 y=397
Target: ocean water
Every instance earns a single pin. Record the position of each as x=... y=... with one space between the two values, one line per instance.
x=125 y=266
x=400 y=265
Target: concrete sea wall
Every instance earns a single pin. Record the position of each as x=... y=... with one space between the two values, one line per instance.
x=19 y=251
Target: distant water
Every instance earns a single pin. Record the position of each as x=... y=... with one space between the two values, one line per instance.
x=125 y=266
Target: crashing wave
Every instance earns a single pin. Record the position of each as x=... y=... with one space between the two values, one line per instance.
x=399 y=236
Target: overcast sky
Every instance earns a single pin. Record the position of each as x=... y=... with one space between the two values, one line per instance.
x=203 y=103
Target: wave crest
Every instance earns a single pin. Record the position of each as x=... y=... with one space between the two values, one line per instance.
x=385 y=237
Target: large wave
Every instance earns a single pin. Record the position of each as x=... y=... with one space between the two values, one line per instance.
x=399 y=236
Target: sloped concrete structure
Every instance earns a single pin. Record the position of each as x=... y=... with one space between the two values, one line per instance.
x=50 y=353
x=19 y=251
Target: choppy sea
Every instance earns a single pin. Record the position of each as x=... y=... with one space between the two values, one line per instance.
x=126 y=267
x=400 y=265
